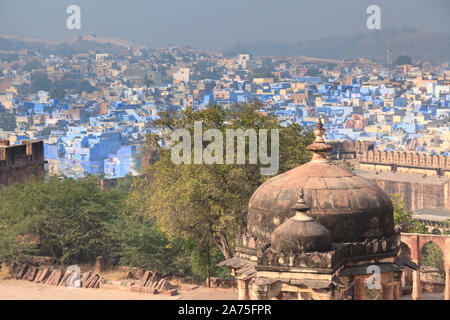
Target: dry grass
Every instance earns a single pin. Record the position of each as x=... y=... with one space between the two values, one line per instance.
x=5 y=273
x=114 y=274
x=121 y=273
x=85 y=267
x=178 y=282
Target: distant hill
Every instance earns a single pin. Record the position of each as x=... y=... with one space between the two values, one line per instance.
x=67 y=47
x=431 y=47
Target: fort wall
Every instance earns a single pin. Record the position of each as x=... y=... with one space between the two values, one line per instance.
x=371 y=158
x=418 y=195
x=417 y=192
x=20 y=162
x=403 y=161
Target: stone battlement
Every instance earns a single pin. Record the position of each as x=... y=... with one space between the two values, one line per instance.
x=371 y=158
x=348 y=150
x=403 y=161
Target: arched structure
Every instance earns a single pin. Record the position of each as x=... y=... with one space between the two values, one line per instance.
x=415 y=242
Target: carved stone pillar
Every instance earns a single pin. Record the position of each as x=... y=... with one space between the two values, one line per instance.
x=242 y=289
x=388 y=290
x=403 y=278
x=416 y=289
x=358 y=289
x=415 y=257
x=259 y=291
x=447 y=283
x=396 y=291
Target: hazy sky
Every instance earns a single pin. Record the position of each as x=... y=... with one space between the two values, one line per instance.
x=216 y=24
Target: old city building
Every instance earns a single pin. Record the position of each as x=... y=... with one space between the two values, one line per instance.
x=20 y=162
x=319 y=231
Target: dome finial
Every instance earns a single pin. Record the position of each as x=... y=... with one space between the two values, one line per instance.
x=319 y=146
x=301 y=204
x=319 y=132
x=301 y=207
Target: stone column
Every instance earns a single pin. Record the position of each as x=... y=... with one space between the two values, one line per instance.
x=259 y=291
x=358 y=289
x=396 y=289
x=415 y=257
x=403 y=279
x=242 y=289
x=416 y=289
x=447 y=282
x=99 y=264
x=388 y=291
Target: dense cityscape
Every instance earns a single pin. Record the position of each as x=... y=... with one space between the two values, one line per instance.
x=99 y=126
x=201 y=150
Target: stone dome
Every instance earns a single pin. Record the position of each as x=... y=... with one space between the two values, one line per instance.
x=301 y=233
x=350 y=207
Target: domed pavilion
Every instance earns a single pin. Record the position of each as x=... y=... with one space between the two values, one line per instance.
x=318 y=231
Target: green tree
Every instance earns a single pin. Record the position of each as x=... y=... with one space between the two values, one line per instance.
x=7 y=121
x=205 y=204
x=432 y=256
x=74 y=221
x=58 y=93
x=402 y=60
x=445 y=227
x=40 y=81
x=31 y=65
x=403 y=217
x=263 y=72
x=9 y=57
x=63 y=218
x=85 y=86
x=331 y=65
x=141 y=244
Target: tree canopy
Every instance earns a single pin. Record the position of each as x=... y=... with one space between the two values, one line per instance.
x=403 y=217
x=206 y=204
x=74 y=221
x=58 y=93
x=402 y=60
x=40 y=81
x=7 y=121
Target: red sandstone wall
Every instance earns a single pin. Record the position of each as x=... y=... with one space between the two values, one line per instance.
x=20 y=162
x=348 y=149
x=417 y=195
x=413 y=159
